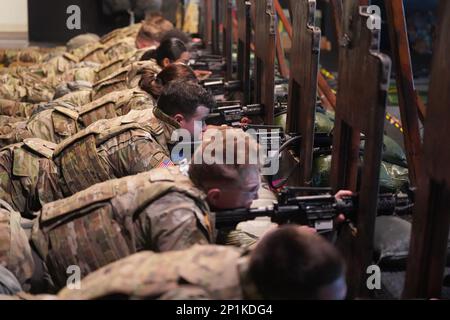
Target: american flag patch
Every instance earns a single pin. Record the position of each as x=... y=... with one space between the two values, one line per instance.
x=165 y=163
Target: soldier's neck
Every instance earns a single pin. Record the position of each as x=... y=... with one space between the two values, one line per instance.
x=166 y=118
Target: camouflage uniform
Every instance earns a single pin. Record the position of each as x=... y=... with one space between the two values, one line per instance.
x=159 y=210
x=123 y=146
x=7 y=121
x=16 y=109
x=59 y=120
x=117 y=34
x=14 y=132
x=201 y=272
x=115 y=49
x=24 y=56
x=28 y=176
x=121 y=61
x=93 y=52
x=77 y=98
x=125 y=78
x=15 y=250
x=81 y=40
x=25 y=86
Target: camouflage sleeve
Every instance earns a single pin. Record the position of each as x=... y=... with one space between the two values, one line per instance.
x=139 y=102
x=186 y=292
x=136 y=154
x=171 y=223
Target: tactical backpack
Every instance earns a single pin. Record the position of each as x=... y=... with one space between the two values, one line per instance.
x=96 y=226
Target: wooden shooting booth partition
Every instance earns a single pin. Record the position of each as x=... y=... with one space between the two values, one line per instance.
x=364 y=75
x=207 y=25
x=303 y=84
x=409 y=101
x=216 y=21
x=430 y=229
x=227 y=51
x=265 y=24
x=244 y=40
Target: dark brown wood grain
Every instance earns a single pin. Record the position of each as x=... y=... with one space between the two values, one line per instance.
x=408 y=98
x=265 y=57
x=361 y=105
x=244 y=40
x=228 y=38
x=431 y=219
x=303 y=82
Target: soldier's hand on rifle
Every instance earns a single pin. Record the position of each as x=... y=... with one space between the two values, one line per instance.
x=307 y=229
x=202 y=74
x=342 y=194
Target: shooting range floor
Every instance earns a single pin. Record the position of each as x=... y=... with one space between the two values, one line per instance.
x=393 y=282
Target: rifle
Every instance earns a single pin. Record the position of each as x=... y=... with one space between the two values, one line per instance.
x=233 y=114
x=218 y=86
x=318 y=211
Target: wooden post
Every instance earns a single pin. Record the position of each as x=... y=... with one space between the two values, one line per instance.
x=244 y=36
x=408 y=98
x=364 y=75
x=265 y=25
x=216 y=28
x=207 y=24
x=336 y=6
x=429 y=235
x=303 y=82
x=228 y=38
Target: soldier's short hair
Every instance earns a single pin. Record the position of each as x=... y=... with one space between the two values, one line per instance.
x=184 y=97
x=238 y=152
x=294 y=265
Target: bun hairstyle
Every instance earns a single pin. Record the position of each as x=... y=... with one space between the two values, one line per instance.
x=153 y=83
x=171 y=48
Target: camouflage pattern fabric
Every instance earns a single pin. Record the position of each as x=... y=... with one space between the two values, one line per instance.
x=93 y=52
x=116 y=218
x=58 y=120
x=14 y=132
x=80 y=40
x=15 y=250
x=127 y=145
x=117 y=34
x=77 y=98
x=125 y=78
x=28 y=176
x=115 y=49
x=16 y=109
x=206 y=272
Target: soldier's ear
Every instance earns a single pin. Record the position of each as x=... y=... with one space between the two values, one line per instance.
x=165 y=62
x=179 y=118
x=213 y=197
